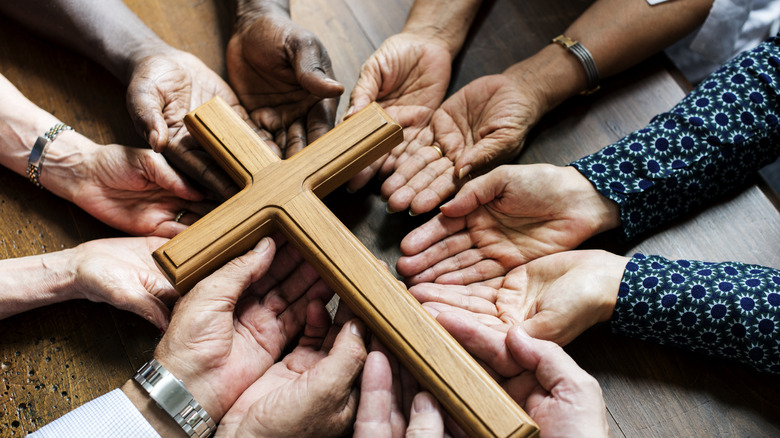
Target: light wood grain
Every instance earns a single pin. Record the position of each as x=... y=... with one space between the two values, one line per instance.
x=284 y=195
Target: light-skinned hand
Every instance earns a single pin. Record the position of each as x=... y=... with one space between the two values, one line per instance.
x=314 y=385
x=561 y=397
x=230 y=329
x=482 y=125
x=556 y=297
x=133 y=190
x=507 y=217
x=408 y=75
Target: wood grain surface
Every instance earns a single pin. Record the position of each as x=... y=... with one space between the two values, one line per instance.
x=56 y=358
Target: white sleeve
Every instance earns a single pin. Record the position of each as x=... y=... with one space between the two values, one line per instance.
x=112 y=415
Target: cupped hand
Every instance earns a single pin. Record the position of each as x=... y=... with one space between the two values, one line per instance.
x=230 y=329
x=561 y=397
x=163 y=88
x=121 y=272
x=507 y=217
x=133 y=190
x=556 y=297
x=408 y=75
x=313 y=385
x=482 y=125
x=283 y=76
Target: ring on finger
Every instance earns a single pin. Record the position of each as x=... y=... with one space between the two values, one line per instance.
x=179 y=215
x=438 y=149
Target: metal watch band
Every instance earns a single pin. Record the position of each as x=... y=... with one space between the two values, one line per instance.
x=38 y=152
x=585 y=58
x=172 y=396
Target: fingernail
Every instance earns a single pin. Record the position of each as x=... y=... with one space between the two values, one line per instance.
x=464 y=171
x=353 y=327
x=411 y=213
x=388 y=209
x=423 y=403
x=332 y=81
x=263 y=245
x=153 y=139
x=350 y=190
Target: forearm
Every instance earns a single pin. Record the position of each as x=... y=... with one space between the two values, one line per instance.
x=618 y=34
x=442 y=20
x=21 y=123
x=35 y=281
x=106 y=30
x=706 y=146
x=727 y=309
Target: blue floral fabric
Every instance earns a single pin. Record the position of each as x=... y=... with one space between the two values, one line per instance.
x=719 y=309
x=709 y=144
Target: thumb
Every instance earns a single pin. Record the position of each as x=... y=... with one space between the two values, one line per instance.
x=162 y=174
x=485 y=154
x=226 y=285
x=425 y=418
x=146 y=111
x=474 y=193
x=312 y=68
x=366 y=88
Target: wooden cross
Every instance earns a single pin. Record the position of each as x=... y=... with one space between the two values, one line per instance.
x=284 y=195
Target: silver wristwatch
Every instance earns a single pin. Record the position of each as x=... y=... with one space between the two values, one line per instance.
x=172 y=396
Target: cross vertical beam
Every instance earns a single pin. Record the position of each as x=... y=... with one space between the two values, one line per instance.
x=285 y=195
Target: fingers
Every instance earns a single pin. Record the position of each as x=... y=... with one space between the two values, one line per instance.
x=548 y=360
x=485 y=342
x=425 y=419
x=159 y=171
x=376 y=399
x=422 y=181
x=474 y=193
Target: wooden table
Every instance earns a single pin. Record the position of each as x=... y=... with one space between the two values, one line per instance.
x=56 y=358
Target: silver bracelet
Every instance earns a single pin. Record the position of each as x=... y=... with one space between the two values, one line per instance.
x=586 y=59
x=172 y=396
x=38 y=152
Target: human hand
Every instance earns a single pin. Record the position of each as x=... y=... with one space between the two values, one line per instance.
x=510 y=216
x=133 y=190
x=162 y=89
x=408 y=75
x=380 y=413
x=556 y=297
x=121 y=272
x=283 y=76
x=313 y=385
x=484 y=124
x=233 y=326
x=561 y=397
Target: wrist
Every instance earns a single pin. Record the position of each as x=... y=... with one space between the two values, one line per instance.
x=66 y=165
x=195 y=382
x=553 y=75
x=599 y=212
x=612 y=267
x=157 y=418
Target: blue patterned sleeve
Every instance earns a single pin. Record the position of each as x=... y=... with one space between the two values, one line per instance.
x=727 y=309
x=707 y=145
